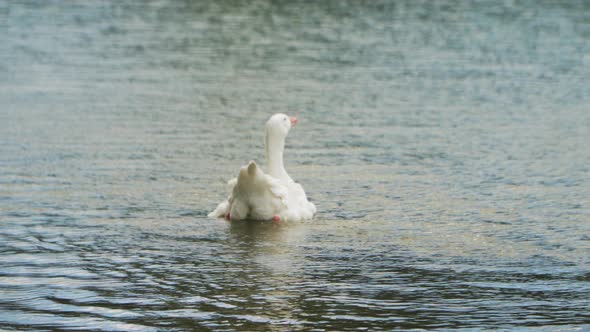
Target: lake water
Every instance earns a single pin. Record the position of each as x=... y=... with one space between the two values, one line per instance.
x=446 y=145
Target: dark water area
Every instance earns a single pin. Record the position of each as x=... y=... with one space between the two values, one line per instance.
x=445 y=144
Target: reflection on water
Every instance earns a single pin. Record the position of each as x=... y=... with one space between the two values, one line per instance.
x=445 y=145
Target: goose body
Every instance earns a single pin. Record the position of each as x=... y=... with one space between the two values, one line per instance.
x=255 y=195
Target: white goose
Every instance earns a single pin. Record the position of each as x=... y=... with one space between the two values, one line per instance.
x=273 y=196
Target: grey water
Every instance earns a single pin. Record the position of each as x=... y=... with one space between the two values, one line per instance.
x=446 y=145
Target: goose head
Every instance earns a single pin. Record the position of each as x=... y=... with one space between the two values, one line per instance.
x=278 y=125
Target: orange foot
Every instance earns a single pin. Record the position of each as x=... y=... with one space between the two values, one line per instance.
x=276 y=219
x=227 y=216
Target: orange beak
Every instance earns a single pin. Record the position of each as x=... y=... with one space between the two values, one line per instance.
x=293 y=121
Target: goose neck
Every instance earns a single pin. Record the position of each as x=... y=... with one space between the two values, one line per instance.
x=274 y=157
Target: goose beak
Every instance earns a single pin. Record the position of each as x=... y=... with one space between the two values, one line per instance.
x=293 y=121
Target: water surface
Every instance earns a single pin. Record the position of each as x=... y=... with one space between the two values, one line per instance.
x=445 y=145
